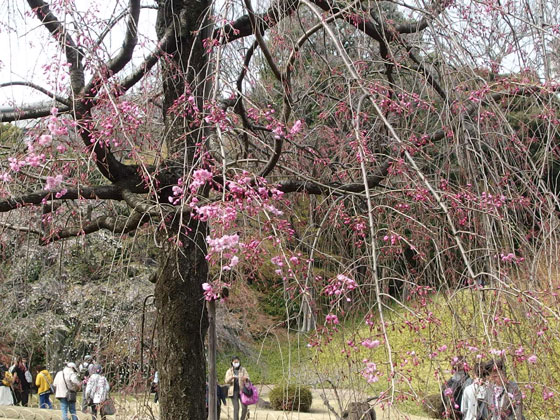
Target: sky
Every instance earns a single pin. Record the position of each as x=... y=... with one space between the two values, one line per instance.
x=28 y=49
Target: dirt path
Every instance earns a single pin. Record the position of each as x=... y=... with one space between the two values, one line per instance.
x=138 y=409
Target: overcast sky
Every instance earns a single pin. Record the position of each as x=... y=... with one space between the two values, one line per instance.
x=27 y=47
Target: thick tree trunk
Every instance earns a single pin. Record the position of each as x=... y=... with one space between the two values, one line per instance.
x=182 y=325
x=182 y=318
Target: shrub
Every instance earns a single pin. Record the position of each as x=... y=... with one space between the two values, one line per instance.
x=291 y=398
x=433 y=406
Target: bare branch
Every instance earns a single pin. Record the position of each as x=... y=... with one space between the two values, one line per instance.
x=310 y=187
x=165 y=45
x=73 y=55
x=242 y=27
x=19 y=228
x=118 y=224
x=258 y=35
x=29 y=112
x=131 y=38
x=109 y=192
x=41 y=89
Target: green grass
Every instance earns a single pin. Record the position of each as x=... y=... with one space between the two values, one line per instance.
x=275 y=359
x=422 y=342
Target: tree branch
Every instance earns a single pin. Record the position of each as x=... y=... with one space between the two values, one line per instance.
x=73 y=55
x=119 y=224
x=130 y=40
x=41 y=89
x=242 y=26
x=29 y=112
x=108 y=192
x=17 y=228
x=310 y=187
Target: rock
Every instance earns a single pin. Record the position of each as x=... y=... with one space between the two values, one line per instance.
x=264 y=404
x=359 y=411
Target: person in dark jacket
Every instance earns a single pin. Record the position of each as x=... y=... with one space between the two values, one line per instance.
x=503 y=397
x=221 y=394
x=453 y=390
x=21 y=383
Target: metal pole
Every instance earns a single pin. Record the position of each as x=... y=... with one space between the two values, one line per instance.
x=142 y=334
x=212 y=383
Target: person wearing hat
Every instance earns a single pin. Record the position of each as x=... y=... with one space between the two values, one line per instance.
x=97 y=392
x=236 y=376
x=67 y=383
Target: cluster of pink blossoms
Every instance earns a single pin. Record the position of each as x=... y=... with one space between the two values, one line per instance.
x=209 y=293
x=370 y=344
x=339 y=286
x=370 y=372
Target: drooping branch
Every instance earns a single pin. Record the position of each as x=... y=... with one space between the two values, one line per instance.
x=73 y=54
x=41 y=89
x=124 y=56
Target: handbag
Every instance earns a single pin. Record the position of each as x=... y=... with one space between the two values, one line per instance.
x=251 y=389
x=107 y=407
x=71 y=396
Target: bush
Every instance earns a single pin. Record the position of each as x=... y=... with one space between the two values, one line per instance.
x=291 y=398
x=433 y=406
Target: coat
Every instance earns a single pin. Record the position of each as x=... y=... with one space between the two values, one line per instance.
x=504 y=404
x=230 y=379
x=43 y=380
x=63 y=377
x=473 y=395
x=97 y=389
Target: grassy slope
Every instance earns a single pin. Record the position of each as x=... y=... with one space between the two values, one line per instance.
x=422 y=344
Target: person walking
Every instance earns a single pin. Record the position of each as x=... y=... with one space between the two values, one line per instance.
x=67 y=383
x=503 y=397
x=84 y=370
x=44 y=381
x=97 y=392
x=22 y=381
x=6 y=381
x=236 y=376
x=473 y=401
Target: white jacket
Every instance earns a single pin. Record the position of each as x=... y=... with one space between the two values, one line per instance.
x=63 y=377
x=97 y=388
x=472 y=394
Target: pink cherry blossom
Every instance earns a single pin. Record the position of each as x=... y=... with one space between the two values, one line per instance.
x=53 y=182
x=45 y=140
x=370 y=344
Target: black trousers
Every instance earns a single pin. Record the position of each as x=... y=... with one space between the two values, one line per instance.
x=22 y=396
